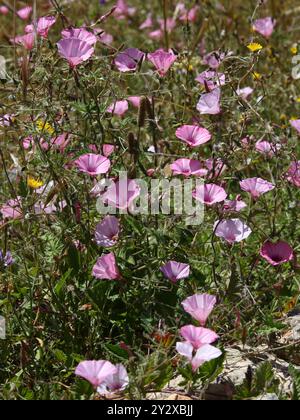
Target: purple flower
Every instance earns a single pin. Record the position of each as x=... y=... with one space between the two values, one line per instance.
x=6 y=259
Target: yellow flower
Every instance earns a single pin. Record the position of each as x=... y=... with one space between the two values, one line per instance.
x=44 y=127
x=256 y=76
x=190 y=68
x=294 y=49
x=298 y=100
x=34 y=183
x=293 y=118
x=254 y=47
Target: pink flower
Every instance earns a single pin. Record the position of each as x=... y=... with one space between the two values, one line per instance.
x=118 y=108
x=244 y=93
x=162 y=60
x=80 y=33
x=295 y=124
x=60 y=142
x=204 y=354
x=12 y=209
x=157 y=34
x=209 y=103
x=234 y=206
x=267 y=148
x=193 y=135
x=49 y=208
x=211 y=79
x=175 y=271
x=75 y=51
x=27 y=41
x=293 y=174
x=123 y=11
x=210 y=194
x=214 y=59
x=128 y=60
x=108 y=149
x=6 y=120
x=188 y=167
x=264 y=26
x=106 y=268
x=24 y=13
x=188 y=15
x=4 y=10
x=107 y=232
x=198 y=336
x=148 y=23
x=44 y=24
x=232 y=230
x=215 y=167
x=95 y=371
x=277 y=253
x=93 y=164
x=256 y=186
x=116 y=382
x=121 y=194
x=170 y=24
x=200 y=307
x=135 y=101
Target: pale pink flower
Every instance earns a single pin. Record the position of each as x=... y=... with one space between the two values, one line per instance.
x=128 y=60
x=148 y=23
x=232 y=230
x=293 y=174
x=188 y=167
x=6 y=120
x=80 y=33
x=118 y=108
x=200 y=307
x=210 y=194
x=50 y=208
x=193 y=135
x=204 y=354
x=107 y=232
x=209 y=103
x=12 y=209
x=175 y=271
x=267 y=148
x=198 y=336
x=189 y=15
x=27 y=41
x=170 y=24
x=162 y=60
x=211 y=79
x=4 y=10
x=216 y=167
x=106 y=268
x=93 y=164
x=95 y=371
x=256 y=186
x=277 y=253
x=121 y=194
x=24 y=13
x=123 y=10
x=157 y=34
x=135 y=101
x=295 y=124
x=234 y=206
x=245 y=92
x=116 y=382
x=75 y=51
x=44 y=24
x=108 y=149
x=214 y=59
x=60 y=142
x=264 y=26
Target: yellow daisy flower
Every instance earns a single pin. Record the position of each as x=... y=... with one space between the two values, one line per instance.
x=256 y=76
x=34 y=183
x=254 y=47
x=294 y=49
x=44 y=127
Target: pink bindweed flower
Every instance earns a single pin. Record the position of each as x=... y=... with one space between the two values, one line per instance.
x=256 y=186
x=80 y=33
x=277 y=253
x=106 y=268
x=50 y=208
x=148 y=23
x=27 y=41
x=135 y=101
x=296 y=125
x=157 y=34
x=121 y=194
x=209 y=103
x=232 y=230
x=266 y=148
x=4 y=10
x=204 y=354
x=234 y=206
x=187 y=15
x=188 y=167
x=214 y=59
x=123 y=11
x=60 y=142
x=170 y=24
x=200 y=307
x=264 y=26
x=95 y=371
x=216 y=167
x=118 y=108
x=24 y=13
x=162 y=60
x=211 y=79
x=116 y=382
x=128 y=60
x=198 y=336
x=108 y=149
x=210 y=194
x=193 y=135
x=293 y=175
x=175 y=271
x=245 y=92
x=93 y=164
x=6 y=120
x=75 y=51
x=43 y=26
x=12 y=209
x=107 y=232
